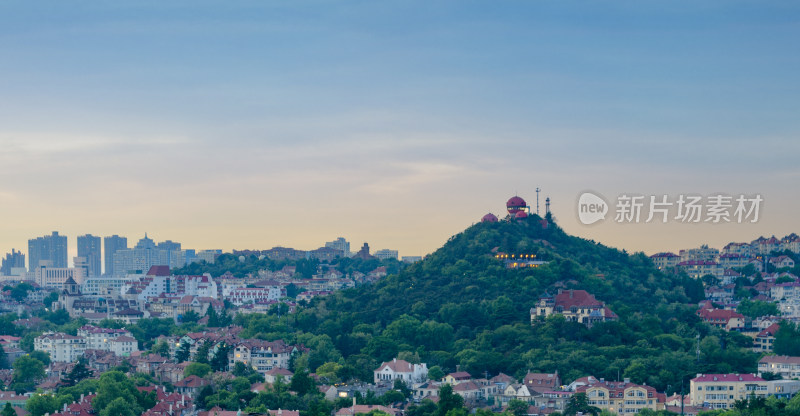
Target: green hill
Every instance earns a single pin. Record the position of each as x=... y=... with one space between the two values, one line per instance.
x=462 y=307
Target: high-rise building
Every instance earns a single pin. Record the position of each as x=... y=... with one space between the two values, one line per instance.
x=110 y=246
x=14 y=259
x=340 y=244
x=89 y=247
x=147 y=254
x=51 y=248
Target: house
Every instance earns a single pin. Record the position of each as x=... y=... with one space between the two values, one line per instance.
x=502 y=380
x=457 y=377
x=469 y=390
x=722 y=318
x=401 y=370
x=428 y=389
x=574 y=305
x=515 y=391
x=787 y=367
x=124 y=346
x=765 y=339
x=781 y=262
x=720 y=391
x=621 y=397
x=665 y=261
x=191 y=385
x=273 y=375
x=540 y=382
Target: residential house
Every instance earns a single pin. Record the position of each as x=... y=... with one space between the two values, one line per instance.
x=191 y=385
x=788 y=367
x=457 y=377
x=540 y=382
x=400 y=370
x=781 y=262
x=765 y=339
x=273 y=375
x=574 y=305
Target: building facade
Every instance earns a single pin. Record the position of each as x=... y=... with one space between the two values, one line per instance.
x=51 y=248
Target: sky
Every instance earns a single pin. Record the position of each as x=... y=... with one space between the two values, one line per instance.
x=252 y=124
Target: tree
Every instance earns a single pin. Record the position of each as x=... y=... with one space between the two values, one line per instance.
x=190 y=317
x=219 y=362
x=161 y=348
x=3 y=358
x=41 y=356
x=448 y=400
x=78 y=373
x=756 y=308
x=435 y=373
x=118 y=407
x=579 y=403
x=183 y=352
x=787 y=339
x=518 y=407
x=302 y=383
x=113 y=386
x=27 y=371
x=8 y=410
x=197 y=369
x=41 y=404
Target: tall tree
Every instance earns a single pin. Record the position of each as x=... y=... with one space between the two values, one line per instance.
x=27 y=371
x=8 y=410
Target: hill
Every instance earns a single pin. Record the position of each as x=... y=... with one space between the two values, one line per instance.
x=462 y=307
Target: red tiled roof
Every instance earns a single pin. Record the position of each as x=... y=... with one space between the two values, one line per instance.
x=578 y=298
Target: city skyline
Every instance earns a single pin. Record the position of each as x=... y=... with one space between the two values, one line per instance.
x=398 y=123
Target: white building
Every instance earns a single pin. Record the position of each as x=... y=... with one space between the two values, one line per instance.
x=124 y=346
x=401 y=370
x=244 y=295
x=100 y=338
x=61 y=347
x=54 y=277
x=787 y=367
x=386 y=254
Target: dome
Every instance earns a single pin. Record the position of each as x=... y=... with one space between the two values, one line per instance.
x=489 y=218
x=515 y=204
x=521 y=215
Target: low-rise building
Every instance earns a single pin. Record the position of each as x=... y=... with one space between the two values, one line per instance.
x=61 y=347
x=574 y=305
x=787 y=367
x=621 y=397
x=401 y=370
x=720 y=391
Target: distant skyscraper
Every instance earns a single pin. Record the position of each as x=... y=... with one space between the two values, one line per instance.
x=339 y=244
x=89 y=248
x=110 y=246
x=51 y=248
x=147 y=254
x=12 y=260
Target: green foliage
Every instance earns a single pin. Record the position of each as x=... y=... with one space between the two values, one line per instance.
x=302 y=383
x=518 y=407
x=114 y=390
x=20 y=292
x=448 y=400
x=197 y=369
x=78 y=372
x=435 y=373
x=8 y=410
x=27 y=371
x=219 y=362
x=183 y=352
x=787 y=339
x=757 y=308
x=161 y=348
x=578 y=403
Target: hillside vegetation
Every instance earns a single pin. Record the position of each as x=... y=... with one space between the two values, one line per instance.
x=461 y=307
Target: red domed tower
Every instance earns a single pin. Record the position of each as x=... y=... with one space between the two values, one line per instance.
x=489 y=218
x=521 y=215
x=515 y=205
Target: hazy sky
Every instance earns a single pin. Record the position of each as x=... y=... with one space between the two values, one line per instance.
x=250 y=124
